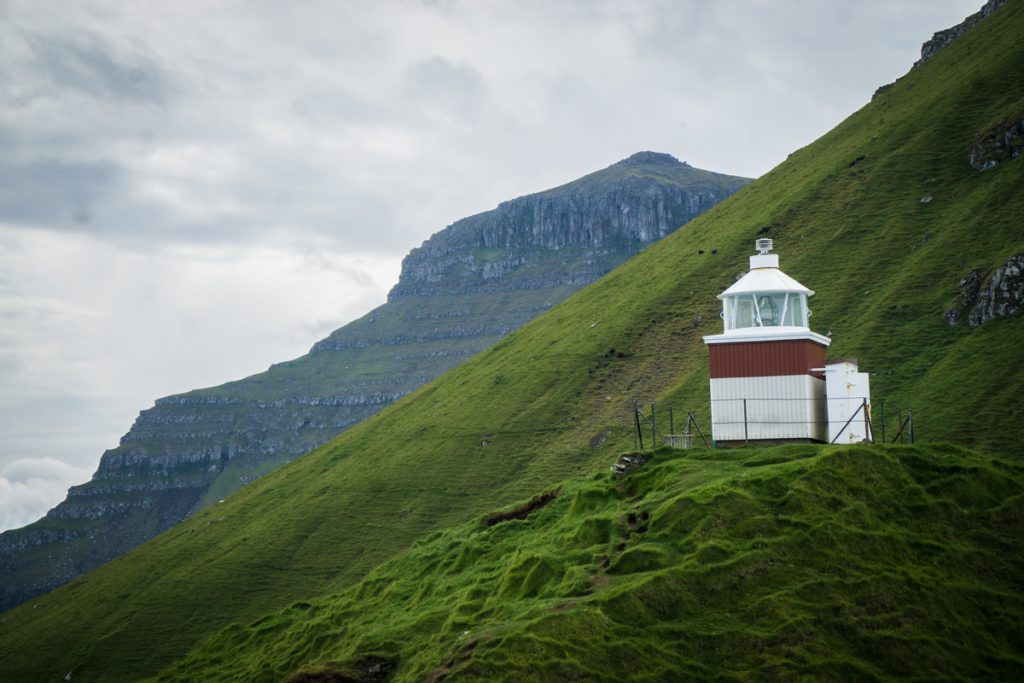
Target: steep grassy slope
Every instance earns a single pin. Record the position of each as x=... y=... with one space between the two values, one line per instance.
x=847 y=216
x=827 y=562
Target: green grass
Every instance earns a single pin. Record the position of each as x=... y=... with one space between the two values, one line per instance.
x=885 y=268
x=819 y=562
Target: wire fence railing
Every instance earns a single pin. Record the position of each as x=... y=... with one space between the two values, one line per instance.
x=765 y=420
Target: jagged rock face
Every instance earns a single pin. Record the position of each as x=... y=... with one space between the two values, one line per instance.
x=460 y=292
x=943 y=38
x=591 y=231
x=1000 y=144
x=983 y=299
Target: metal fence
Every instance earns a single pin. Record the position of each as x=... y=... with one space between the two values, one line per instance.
x=853 y=420
x=658 y=428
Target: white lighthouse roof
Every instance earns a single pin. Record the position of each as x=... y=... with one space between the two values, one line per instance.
x=764 y=275
x=765 y=279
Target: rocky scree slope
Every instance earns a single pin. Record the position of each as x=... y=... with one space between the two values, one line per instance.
x=552 y=401
x=462 y=290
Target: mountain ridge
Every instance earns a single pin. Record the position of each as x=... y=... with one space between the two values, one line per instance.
x=635 y=209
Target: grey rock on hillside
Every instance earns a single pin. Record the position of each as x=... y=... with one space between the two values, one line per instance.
x=943 y=38
x=460 y=292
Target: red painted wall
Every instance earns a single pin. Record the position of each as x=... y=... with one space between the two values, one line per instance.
x=766 y=358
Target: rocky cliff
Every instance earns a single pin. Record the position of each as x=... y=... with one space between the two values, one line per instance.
x=942 y=39
x=566 y=236
x=461 y=291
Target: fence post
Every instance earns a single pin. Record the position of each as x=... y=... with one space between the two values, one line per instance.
x=869 y=430
x=654 y=428
x=697 y=426
x=910 y=416
x=882 y=411
x=636 y=421
x=746 y=434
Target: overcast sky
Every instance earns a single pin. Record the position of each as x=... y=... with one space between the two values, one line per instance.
x=193 y=190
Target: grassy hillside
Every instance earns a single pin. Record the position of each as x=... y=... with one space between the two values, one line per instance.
x=848 y=220
x=827 y=562
x=461 y=291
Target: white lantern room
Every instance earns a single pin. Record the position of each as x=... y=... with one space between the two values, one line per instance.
x=765 y=300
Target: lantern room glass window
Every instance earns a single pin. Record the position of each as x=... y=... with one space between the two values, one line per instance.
x=765 y=309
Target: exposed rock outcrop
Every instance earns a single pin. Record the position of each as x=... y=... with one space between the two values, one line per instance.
x=995 y=296
x=941 y=39
x=998 y=145
x=460 y=292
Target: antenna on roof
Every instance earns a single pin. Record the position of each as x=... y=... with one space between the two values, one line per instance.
x=763 y=246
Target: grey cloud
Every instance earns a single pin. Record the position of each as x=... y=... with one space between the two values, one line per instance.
x=356 y=221
x=320 y=106
x=10 y=361
x=393 y=107
x=280 y=201
x=53 y=193
x=439 y=79
x=87 y=64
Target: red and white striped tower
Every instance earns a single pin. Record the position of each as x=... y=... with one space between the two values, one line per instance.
x=767 y=379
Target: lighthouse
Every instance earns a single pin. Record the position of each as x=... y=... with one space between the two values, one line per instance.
x=768 y=370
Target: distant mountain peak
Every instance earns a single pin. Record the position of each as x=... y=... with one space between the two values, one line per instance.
x=648 y=158
x=606 y=216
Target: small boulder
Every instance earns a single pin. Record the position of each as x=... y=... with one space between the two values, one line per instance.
x=629 y=462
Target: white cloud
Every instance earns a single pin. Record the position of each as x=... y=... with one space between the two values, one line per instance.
x=31 y=486
x=93 y=332
x=88 y=316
